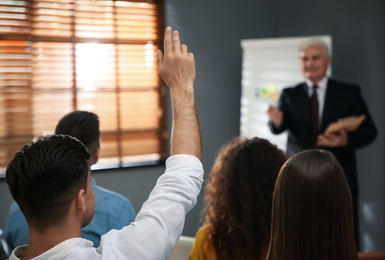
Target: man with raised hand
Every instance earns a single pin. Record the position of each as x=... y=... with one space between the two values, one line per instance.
x=55 y=213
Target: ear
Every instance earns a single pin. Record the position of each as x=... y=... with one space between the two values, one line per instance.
x=79 y=200
x=329 y=61
x=97 y=154
x=94 y=157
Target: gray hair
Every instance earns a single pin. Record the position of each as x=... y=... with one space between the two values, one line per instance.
x=315 y=42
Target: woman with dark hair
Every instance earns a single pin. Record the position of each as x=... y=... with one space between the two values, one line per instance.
x=312 y=215
x=238 y=201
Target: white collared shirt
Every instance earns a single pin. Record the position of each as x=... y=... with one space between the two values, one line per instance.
x=321 y=93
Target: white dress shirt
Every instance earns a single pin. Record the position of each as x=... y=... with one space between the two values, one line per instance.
x=157 y=226
x=321 y=93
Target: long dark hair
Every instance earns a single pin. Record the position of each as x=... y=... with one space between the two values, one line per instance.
x=239 y=197
x=312 y=214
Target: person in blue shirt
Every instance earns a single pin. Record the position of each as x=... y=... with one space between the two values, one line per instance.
x=112 y=211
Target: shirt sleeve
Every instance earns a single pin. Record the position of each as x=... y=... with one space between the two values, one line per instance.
x=282 y=105
x=160 y=221
x=125 y=217
x=367 y=131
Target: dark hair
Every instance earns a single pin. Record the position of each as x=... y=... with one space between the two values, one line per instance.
x=312 y=210
x=82 y=125
x=239 y=197
x=44 y=176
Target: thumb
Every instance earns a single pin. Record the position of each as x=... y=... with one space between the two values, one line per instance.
x=159 y=58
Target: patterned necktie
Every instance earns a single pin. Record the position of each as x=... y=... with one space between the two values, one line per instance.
x=314 y=115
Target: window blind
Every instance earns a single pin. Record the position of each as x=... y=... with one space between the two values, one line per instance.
x=99 y=56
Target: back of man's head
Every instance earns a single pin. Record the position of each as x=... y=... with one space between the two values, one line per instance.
x=82 y=125
x=44 y=177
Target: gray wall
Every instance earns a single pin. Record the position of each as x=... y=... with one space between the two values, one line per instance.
x=213 y=30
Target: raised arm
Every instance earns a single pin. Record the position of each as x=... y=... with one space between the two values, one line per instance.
x=160 y=221
x=177 y=68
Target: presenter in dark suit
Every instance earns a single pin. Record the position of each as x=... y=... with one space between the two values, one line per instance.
x=307 y=109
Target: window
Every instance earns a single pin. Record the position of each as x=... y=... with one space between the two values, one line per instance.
x=65 y=55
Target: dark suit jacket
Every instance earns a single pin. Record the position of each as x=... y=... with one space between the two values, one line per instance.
x=341 y=100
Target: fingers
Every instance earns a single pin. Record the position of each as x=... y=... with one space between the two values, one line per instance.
x=322 y=140
x=331 y=140
x=274 y=112
x=159 y=57
x=273 y=109
x=342 y=132
x=183 y=48
x=172 y=43
x=176 y=41
x=167 y=41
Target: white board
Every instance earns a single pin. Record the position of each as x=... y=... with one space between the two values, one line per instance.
x=268 y=66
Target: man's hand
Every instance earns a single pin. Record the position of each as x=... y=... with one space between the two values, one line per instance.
x=275 y=115
x=333 y=139
x=177 y=68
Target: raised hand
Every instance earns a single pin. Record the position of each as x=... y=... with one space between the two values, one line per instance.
x=176 y=66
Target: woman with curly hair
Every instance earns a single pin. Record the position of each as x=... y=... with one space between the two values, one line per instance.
x=312 y=214
x=238 y=200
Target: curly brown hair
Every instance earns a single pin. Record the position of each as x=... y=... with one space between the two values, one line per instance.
x=238 y=197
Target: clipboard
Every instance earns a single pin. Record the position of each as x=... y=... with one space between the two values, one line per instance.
x=350 y=124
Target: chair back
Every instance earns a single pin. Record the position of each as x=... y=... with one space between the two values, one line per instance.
x=182 y=248
x=372 y=256
x=4 y=249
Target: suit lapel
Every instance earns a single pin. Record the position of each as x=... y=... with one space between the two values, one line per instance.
x=330 y=99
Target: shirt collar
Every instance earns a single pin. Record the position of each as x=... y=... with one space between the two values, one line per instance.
x=59 y=251
x=93 y=184
x=321 y=84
